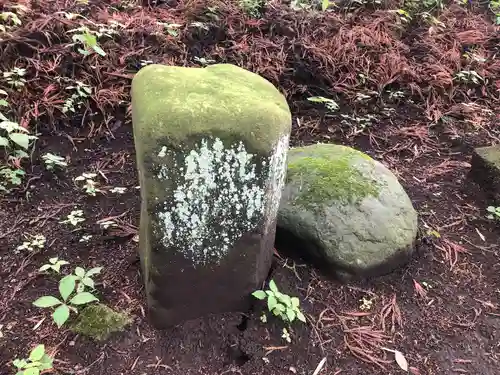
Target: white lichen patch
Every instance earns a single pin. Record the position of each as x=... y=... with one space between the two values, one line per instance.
x=220 y=194
x=276 y=179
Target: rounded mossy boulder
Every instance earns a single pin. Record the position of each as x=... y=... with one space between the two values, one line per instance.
x=98 y=321
x=345 y=212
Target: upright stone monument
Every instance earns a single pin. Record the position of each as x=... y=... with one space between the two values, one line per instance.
x=211 y=148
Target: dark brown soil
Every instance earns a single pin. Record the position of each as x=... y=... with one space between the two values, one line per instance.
x=441 y=310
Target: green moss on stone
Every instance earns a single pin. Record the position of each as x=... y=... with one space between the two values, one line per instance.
x=99 y=321
x=328 y=172
x=176 y=103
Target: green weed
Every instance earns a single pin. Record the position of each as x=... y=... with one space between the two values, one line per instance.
x=281 y=305
x=54 y=264
x=53 y=161
x=37 y=362
x=66 y=304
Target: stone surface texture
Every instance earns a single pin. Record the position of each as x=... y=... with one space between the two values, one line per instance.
x=485 y=171
x=345 y=212
x=211 y=150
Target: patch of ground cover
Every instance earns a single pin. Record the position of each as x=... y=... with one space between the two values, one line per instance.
x=445 y=315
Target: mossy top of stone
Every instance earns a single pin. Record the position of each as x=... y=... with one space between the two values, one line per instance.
x=490 y=154
x=98 y=321
x=178 y=102
x=332 y=174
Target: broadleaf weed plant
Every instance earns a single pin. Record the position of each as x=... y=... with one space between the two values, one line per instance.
x=281 y=305
x=54 y=264
x=90 y=185
x=15 y=78
x=81 y=92
x=65 y=305
x=74 y=218
x=84 y=278
x=53 y=161
x=34 y=243
x=330 y=104
x=37 y=362
x=493 y=213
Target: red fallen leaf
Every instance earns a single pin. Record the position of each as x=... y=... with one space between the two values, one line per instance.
x=414 y=371
x=418 y=288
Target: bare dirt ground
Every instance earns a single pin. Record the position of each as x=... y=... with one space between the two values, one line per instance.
x=402 y=100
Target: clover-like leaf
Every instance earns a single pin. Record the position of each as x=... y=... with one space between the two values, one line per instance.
x=290 y=315
x=19 y=363
x=21 y=139
x=301 y=316
x=93 y=271
x=285 y=299
x=259 y=294
x=271 y=302
x=80 y=272
x=87 y=281
x=67 y=286
x=273 y=287
x=44 y=268
x=47 y=301
x=83 y=298
x=37 y=353
x=32 y=371
x=46 y=362
x=60 y=315
x=295 y=302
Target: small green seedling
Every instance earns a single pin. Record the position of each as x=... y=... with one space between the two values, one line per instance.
x=433 y=233
x=146 y=62
x=469 y=76
x=90 y=184
x=170 y=28
x=37 y=362
x=54 y=265
x=281 y=305
x=85 y=238
x=107 y=224
x=4 y=102
x=366 y=303
x=15 y=134
x=81 y=92
x=403 y=15
x=34 y=243
x=10 y=176
x=74 y=218
x=286 y=335
x=84 y=278
x=200 y=25
x=494 y=213
x=8 y=21
x=203 y=61
x=89 y=43
x=330 y=104
x=53 y=161
x=62 y=311
x=15 y=77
